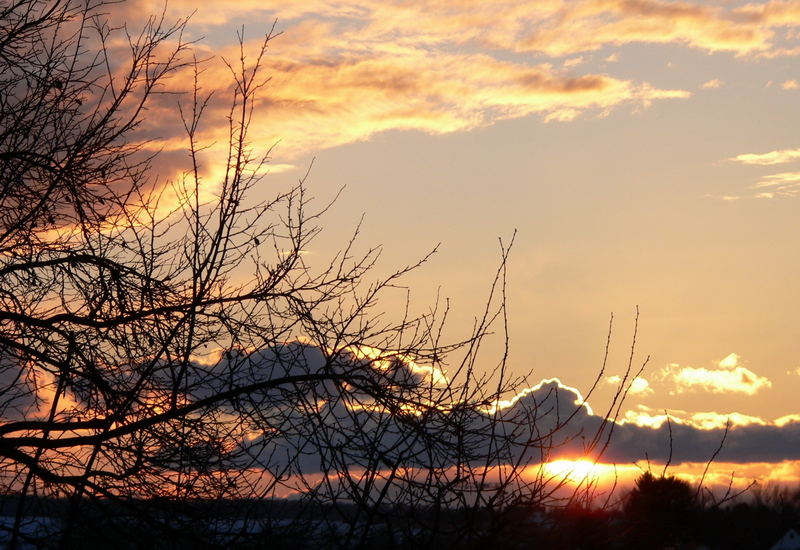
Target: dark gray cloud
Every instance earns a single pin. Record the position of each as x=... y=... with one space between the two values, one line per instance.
x=547 y=423
x=629 y=442
x=314 y=420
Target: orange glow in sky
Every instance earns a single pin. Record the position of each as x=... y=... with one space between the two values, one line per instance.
x=580 y=471
x=646 y=153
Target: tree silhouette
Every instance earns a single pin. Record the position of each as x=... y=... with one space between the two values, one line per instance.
x=165 y=344
x=660 y=511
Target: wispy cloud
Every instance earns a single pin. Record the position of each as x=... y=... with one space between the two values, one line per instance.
x=790 y=85
x=573 y=62
x=780 y=156
x=553 y=27
x=784 y=184
x=347 y=70
x=355 y=90
x=343 y=72
x=712 y=84
x=781 y=180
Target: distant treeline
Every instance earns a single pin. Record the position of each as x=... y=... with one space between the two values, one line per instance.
x=658 y=513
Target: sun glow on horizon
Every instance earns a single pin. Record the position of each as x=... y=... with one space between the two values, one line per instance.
x=584 y=471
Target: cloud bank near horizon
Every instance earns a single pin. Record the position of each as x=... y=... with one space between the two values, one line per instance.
x=685 y=437
x=552 y=421
x=543 y=423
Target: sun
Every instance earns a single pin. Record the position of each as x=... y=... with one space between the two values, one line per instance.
x=575 y=471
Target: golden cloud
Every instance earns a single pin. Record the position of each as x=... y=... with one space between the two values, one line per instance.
x=637 y=386
x=712 y=84
x=783 y=420
x=579 y=401
x=553 y=27
x=315 y=102
x=728 y=377
x=785 y=184
x=780 y=156
x=773 y=185
x=348 y=70
x=345 y=71
x=703 y=420
x=783 y=180
x=790 y=85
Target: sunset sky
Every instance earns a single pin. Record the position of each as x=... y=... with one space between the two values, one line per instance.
x=647 y=153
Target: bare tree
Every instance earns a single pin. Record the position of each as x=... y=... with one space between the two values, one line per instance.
x=187 y=352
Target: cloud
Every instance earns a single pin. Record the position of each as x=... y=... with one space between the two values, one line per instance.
x=789 y=418
x=551 y=27
x=712 y=84
x=546 y=422
x=780 y=156
x=784 y=183
x=753 y=442
x=573 y=62
x=590 y=25
x=637 y=386
x=345 y=71
x=349 y=91
x=704 y=420
x=342 y=72
x=728 y=377
x=540 y=393
x=644 y=432
x=352 y=93
x=790 y=85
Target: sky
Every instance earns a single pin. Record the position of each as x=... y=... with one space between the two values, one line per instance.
x=645 y=152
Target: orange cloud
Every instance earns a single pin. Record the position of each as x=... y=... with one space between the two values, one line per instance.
x=345 y=96
x=553 y=27
x=591 y=25
x=345 y=71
